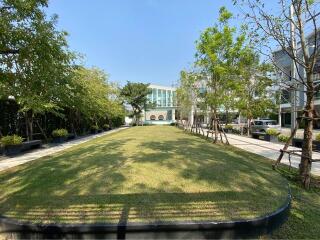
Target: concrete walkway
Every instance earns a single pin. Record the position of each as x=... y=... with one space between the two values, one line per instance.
x=9 y=162
x=270 y=150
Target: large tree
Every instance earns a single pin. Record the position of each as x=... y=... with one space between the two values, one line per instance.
x=217 y=54
x=294 y=28
x=91 y=95
x=253 y=89
x=135 y=94
x=188 y=96
x=35 y=64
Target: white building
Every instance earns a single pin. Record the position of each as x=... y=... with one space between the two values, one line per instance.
x=289 y=96
x=165 y=105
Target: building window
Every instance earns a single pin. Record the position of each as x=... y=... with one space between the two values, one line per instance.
x=154 y=95
x=169 y=103
x=152 y=117
x=161 y=118
x=285 y=96
x=174 y=99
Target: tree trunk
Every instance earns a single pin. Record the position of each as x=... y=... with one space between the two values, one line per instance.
x=248 y=126
x=286 y=146
x=42 y=131
x=215 y=126
x=305 y=164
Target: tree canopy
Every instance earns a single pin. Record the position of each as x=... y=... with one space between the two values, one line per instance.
x=135 y=94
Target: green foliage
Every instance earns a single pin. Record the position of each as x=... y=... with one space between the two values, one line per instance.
x=318 y=137
x=11 y=140
x=38 y=70
x=228 y=126
x=283 y=138
x=255 y=99
x=187 y=93
x=90 y=93
x=36 y=74
x=106 y=126
x=135 y=94
x=218 y=53
x=117 y=121
x=60 y=132
x=94 y=127
x=272 y=132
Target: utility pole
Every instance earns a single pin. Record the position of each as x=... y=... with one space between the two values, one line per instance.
x=293 y=71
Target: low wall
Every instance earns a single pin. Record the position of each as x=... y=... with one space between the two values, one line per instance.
x=253 y=228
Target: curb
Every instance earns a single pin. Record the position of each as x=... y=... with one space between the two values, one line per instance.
x=200 y=230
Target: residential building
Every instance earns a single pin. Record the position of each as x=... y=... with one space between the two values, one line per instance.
x=294 y=97
x=164 y=106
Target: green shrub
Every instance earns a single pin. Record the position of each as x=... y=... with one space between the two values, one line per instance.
x=228 y=126
x=94 y=127
x=236 y=131
x=60 y=132
x=173 y=124
x=117 y=121
x=283 y=138
x=11 y=140
x=106 y=126
x=318 y=137
x=272 y=132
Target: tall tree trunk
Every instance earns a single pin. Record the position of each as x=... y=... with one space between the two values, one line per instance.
x=305 y=164
x=42 y=131
x=248 y=126
x=215 y=125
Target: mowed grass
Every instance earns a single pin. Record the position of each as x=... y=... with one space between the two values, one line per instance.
x=304 y=218
x=143 y=174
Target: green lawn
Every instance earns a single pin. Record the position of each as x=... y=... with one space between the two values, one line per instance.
x=304 y=218
x=143 y=174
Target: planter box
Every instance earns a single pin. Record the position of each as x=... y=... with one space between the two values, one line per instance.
x=272 y=138
x=316 y=145
x=11 y=150
x=298 y=142
x=28 y=145
x=58 y=139
x=71 y=136
x=228 y=130
x=94 y=131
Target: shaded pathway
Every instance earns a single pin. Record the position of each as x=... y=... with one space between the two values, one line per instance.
x=269 y=150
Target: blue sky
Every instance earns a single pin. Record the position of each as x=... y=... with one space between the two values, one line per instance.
x=146 y=41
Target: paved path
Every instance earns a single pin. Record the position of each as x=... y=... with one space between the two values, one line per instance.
x=270 y=150
x=9 y=162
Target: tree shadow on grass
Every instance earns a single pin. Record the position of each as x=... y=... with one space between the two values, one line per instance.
x=84 y=185
x=138 y=207
x=224 y=165
x=74 y=172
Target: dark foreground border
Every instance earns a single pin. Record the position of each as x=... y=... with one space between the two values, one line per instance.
x=172 y=230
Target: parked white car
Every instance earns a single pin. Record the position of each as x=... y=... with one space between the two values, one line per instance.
x=264 y=124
